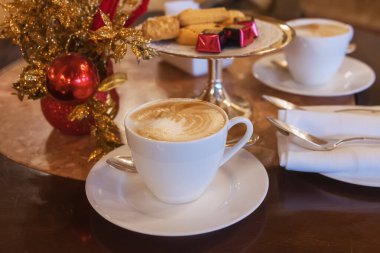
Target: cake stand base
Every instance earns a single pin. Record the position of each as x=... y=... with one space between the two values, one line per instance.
x=215 y=93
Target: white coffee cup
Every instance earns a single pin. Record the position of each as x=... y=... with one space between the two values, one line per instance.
x=180 y=171
x=314 y=58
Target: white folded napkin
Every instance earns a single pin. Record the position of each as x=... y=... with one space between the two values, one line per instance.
x=333 y=125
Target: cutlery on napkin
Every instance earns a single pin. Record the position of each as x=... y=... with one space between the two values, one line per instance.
x=352 y=158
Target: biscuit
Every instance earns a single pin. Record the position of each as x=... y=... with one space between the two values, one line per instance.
x=188 y=35
x=161 y=28
x=201 y=16
x=232 y=15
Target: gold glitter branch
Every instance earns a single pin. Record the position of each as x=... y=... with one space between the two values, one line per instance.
x=104 y=130
x=114 y=38
x=31 y=83
x=43 y=30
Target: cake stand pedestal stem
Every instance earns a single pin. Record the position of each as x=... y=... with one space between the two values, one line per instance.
x=216 y=94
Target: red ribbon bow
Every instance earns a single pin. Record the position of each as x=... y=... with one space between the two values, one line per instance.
x=109 y=7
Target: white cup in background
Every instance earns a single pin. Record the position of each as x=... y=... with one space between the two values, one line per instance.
x=318 y=49
x=178 y=153
x=175 y=7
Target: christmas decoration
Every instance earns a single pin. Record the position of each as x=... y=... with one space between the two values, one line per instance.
x=57 y=113
x=138 y=10
x=72 y=78
x=108 y=7
x=63 y=40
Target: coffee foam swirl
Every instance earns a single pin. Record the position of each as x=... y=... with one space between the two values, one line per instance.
x=177 y=121
x=321 y=30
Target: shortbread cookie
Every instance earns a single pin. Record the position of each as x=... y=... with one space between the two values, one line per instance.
x=161 y=28
x=232 y=15
x=188 y=35
x=201 y=16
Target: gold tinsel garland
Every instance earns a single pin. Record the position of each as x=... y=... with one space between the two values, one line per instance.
x=46 y=29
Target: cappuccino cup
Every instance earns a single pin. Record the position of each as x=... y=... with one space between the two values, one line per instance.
x=318 y=49
x=178 y=145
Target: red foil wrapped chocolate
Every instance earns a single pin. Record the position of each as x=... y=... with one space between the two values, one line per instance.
x=248 y=21
x=239 y=35
x=211 y=41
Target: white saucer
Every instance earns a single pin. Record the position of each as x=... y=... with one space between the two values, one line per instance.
x=352 y=77
x=122 y=198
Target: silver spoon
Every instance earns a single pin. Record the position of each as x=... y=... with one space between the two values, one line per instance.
x=284 y=104
x=282 y=64
x=281 y=103
x=125 y=163
x=254 y=138
x=312 y=142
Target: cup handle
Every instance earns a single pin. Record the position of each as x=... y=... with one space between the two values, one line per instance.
x=351 y=48
x=235 y=148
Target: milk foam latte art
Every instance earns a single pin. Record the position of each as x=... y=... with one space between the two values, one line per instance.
x=321 y=30
x=177 y=121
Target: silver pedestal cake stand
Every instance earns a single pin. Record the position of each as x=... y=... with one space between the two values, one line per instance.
x=273 y=36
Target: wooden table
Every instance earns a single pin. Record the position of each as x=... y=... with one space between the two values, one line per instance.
x=28 y=139
x=303 y=212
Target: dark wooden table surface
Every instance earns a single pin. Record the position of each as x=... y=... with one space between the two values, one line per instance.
x=303 y=212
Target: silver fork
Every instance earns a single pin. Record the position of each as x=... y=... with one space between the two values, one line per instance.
x=309 y=141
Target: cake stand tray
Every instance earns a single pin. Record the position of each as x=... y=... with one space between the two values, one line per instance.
x=274 y=35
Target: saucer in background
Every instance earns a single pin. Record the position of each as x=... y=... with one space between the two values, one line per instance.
x=352 y=77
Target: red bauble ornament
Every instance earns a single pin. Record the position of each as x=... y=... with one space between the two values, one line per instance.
x=72 y=78
x=56 y=113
